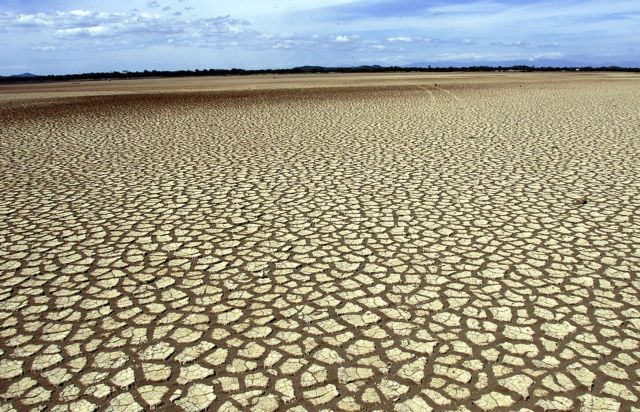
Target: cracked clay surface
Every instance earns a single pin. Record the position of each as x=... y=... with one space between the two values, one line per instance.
x=407 y=243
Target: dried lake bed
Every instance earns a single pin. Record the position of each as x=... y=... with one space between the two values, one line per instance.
x=406 y=242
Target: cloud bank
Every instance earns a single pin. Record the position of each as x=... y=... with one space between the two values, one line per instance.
x=86 y=35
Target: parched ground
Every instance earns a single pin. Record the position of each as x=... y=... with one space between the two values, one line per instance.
x=408 y=243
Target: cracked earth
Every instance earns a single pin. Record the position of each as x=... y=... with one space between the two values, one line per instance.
x=407 y=243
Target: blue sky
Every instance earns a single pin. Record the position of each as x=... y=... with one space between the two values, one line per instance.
x=62 y=36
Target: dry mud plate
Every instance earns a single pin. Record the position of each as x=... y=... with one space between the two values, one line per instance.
x=407 y=243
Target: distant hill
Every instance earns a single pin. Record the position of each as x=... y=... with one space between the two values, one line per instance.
x=25 y=75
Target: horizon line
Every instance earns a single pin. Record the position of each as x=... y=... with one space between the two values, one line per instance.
x=308 y=69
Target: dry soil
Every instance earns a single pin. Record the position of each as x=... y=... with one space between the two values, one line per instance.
x=391 y=242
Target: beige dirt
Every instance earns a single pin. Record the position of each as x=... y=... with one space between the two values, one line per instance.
x=339 y=242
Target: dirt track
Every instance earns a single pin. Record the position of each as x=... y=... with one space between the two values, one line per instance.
x=332 y=242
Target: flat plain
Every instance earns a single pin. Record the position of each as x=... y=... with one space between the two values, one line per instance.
x=333 y=242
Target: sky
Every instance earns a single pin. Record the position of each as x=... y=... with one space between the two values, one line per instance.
x=63 y=36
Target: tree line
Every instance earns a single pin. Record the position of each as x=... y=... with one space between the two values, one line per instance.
x=115 y=75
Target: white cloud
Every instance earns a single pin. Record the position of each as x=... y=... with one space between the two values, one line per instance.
x=137 y=29
x=400 y=39
x=31 y=20
x=342 y=39
x=548 y=55
x=494 y=57
x=82 y=31
x=81 y=13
